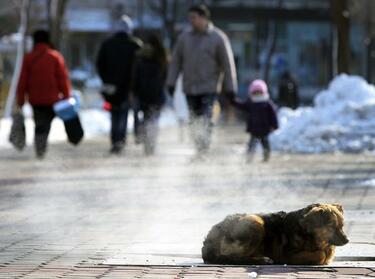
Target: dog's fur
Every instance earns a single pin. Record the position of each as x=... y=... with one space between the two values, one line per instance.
x=305 y=236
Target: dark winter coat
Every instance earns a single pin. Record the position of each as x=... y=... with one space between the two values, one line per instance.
x=115 y=63
x=149 y=78
x=261 y=117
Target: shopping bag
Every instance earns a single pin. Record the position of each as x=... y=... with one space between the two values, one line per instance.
x=74 y=130
x=18 y=132
x=66 y=109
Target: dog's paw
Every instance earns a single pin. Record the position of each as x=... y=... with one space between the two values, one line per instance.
x=261 y=260
x=268 y=260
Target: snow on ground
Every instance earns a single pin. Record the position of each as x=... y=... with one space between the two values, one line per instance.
x=342 y=119
x=95 y=122
x=369 y=182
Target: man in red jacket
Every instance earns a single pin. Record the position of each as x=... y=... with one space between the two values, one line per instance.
x=44 y=81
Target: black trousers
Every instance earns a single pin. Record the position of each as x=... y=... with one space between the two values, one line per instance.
x=265 y=144
x=43 y=116
x=119 y=123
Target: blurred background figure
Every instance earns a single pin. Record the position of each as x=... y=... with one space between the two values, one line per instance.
x=288 y=91
x=44 y=81
x=115 y=63
x=149 y=83
x=204 y=56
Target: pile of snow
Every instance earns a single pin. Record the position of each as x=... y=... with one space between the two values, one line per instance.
x=79 y=75
x=369 y=182
x=342 y=119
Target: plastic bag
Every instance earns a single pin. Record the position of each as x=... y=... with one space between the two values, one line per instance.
x=18 y=131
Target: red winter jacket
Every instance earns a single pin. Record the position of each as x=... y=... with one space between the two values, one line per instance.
x=44 y=77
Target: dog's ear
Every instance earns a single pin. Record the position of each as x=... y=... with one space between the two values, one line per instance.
x=314 y=218
x=339 y=207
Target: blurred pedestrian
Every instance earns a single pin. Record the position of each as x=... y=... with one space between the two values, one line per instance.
x=44 y=81
x=261 y=117
x=115 y=63
x=204 y=56
x=149 y=85
x=288 y=91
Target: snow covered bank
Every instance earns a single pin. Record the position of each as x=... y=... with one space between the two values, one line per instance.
x=342 y=119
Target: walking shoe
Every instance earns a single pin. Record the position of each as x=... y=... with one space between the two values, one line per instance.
x=40 y=155
x=117 y=148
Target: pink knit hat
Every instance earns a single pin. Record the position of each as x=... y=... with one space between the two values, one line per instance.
x=258 y=85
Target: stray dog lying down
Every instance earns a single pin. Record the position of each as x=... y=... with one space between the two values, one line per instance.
x=303 y=237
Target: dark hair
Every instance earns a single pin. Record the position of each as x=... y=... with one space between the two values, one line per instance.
x=159 y=51
x=41 y=36
x=201 y=10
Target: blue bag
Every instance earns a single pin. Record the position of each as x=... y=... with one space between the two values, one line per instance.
x=66 y=109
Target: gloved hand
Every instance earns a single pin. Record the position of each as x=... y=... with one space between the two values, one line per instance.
x=171 y=90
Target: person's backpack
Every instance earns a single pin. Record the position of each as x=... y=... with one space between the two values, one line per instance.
x=18 y=131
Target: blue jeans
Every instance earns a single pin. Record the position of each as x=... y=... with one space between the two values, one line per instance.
x=119 y=125
x=200 y=108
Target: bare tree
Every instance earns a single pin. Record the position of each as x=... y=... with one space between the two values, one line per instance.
x=362 y=11
x=56 y=11
x=341 y=22
x=168 y=11
x=271 y=44
x=24 y=8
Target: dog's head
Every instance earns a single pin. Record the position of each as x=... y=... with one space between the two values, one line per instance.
x=325 y=222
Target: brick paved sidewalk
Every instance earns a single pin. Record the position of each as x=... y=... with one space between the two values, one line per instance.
x=80 y=211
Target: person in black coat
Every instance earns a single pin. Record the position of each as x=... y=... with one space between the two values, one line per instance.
x=115 y=64
x=261 y=117
x=288 y=91
x=149 y=85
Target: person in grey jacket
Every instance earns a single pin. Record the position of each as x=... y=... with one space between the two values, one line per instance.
x=204 y=56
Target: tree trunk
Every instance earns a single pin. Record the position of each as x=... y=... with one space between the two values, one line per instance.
x=19 y=60
x=141 y=11
x=340 y=19
x=168 y=11
x=271 y=45
x=370 y=37
x=56 y=12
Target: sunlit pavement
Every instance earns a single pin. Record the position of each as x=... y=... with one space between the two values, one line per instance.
x=81 y=213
